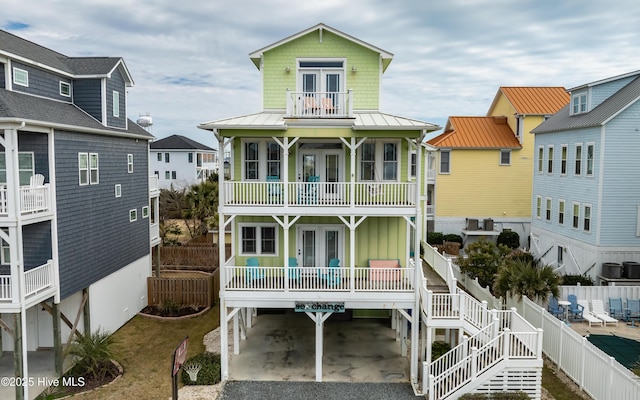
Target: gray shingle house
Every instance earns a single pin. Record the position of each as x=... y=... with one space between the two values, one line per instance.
x=77 y=205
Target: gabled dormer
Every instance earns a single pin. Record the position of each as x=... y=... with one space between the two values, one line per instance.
x=321 y=72
x=586 y=97
x=97 y=85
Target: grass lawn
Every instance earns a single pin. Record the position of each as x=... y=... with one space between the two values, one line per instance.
x=145 y=349
x=556 y=387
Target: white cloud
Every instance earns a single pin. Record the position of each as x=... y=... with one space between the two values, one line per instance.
x=189 y=59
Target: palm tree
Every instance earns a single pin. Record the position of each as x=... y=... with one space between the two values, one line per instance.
x=522 y=276
x=94 y=352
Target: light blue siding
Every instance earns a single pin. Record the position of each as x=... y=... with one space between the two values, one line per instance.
x=602 y=92
x=621 y=183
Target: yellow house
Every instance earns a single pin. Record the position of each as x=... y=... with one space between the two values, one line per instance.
x=485 y=164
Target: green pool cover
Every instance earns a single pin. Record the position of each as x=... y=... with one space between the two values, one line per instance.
x=625 y=351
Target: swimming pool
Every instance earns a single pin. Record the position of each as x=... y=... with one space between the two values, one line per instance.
x=625 y=351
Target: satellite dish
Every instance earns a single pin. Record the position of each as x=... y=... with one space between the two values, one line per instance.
x=145 y=121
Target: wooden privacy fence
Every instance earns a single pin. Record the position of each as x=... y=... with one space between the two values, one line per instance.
x=204 y=257
x=185 y=291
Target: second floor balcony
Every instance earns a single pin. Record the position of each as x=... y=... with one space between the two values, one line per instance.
x=33 y=200
x=313 y=194
x=320 y=104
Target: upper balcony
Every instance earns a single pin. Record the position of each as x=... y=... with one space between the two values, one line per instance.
x=319 y=104
x=385 y=197
x=34 y=200
x=39 y=284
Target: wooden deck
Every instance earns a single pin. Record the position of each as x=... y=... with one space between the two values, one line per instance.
x=435 y=283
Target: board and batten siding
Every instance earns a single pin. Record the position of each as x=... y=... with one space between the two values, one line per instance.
x=41 y=83
x=620 y=184
x=95 y=235
x=581 y=189
x=116 y=83
x=365 y=82
x=87 y=94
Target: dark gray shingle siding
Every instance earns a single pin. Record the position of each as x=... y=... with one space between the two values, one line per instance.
x=36 y=244
x=116 y=83
x=87 y=94
x=95 y=235
x=41 y=83
x=36 y=143
x=3 y=84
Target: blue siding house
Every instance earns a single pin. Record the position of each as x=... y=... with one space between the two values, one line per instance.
x=77 y=204
x=586 y=197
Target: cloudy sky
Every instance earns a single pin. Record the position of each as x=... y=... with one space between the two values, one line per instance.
x=189 y=58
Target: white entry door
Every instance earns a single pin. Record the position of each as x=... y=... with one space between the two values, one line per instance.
x=324 y=166
x=317 y=244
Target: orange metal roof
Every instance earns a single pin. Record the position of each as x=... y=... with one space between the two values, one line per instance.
x=535 y=100
x=477 y=133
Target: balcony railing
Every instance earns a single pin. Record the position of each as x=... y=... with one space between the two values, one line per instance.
x=324 y=279
x=33 y=199
x=35 y=280
x=392 y=194
x=320 y=104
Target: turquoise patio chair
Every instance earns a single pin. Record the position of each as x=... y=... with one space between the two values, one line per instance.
x=331 y=275
x=633 y=311
x=575 y=310
x=309 y=193
x=615 y=308
x=253 y=271
x=294 y=271
x=555 y=308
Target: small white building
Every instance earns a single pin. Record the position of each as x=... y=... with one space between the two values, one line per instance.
x=181 y=162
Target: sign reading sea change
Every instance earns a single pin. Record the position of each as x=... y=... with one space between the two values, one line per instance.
x=319 y=307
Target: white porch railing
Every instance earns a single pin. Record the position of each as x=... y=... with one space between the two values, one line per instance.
x=153 y=184
x=32 y=199
x=327 y=279
x=320 y=104
x=36 y=280
x=392 y=194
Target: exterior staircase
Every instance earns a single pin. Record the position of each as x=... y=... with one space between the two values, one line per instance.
x=499 y=350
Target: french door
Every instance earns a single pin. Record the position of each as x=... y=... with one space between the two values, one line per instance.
x=324 y=166
x=317 y=244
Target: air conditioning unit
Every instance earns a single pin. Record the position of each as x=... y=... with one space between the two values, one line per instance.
x=472 y=224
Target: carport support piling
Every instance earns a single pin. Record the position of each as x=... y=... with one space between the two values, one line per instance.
x=319 y=318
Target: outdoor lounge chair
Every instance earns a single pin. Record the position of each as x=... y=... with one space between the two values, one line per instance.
x=332 y=274
x=253 y=271
x=554 y=308
x=575 y=310
x=633 y=311
x=294 y=272
x=597 y=308
x=615 y=308
x=587 y=315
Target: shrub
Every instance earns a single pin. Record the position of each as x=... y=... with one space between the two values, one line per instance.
x=452 y=237
x=435 y=238
x=573 y=280
x=510 y=239
x=94 y=352
x=209 y=373
x=438 y=349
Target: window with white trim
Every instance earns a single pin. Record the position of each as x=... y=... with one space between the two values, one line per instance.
x=561 y=212
x=273 y=159
x=65 y=89
x=576 y=215
x=20 y=76
x=550 y=159
x=505 y=157
x=118 y=190
x=563 y=160
x=590 y=156
x=578 y=163
x=258 y=239
x=190 y=158
x=133 y=215
x=579 y=103
x=5 y=252
x=538 y=207
x=251 y=161
x=560 y=255
x=174 y=176
x=413 y=164
x=130 y=163
x=159 y=156
x=145 y=212
x=167 y=157
x=167 y=175
x=83 y=168
x=94 y=173
x=26 y=167
x=586 y=218
x=368 y=161
x=548 y=209
x=445 y=161
x=390 y=162
x=540 y=159
x=116 y=104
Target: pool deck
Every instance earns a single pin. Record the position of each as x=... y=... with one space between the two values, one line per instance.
x=623 y=329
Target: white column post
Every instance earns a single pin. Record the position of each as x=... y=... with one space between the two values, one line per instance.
x=224 y=341
x=418 y=261
x=286 y=253
x=352 y=252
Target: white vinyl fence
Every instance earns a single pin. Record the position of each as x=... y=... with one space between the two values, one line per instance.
x=598 y=374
